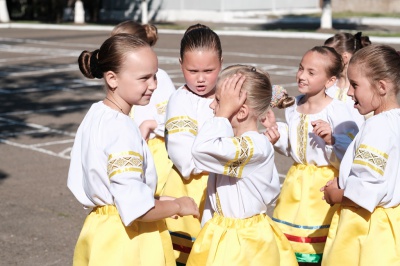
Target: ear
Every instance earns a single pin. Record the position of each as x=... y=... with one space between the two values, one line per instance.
x=331 y=81
x=346 y=57
x=243 y=112
x=383 y=87
x=111 y=79
x=222 y=60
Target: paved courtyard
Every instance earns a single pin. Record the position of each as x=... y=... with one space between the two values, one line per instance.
x=43 y=99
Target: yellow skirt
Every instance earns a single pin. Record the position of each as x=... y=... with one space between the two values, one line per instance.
x=301 y=213
x=252 y=241
x=184 y=230
x=104 y=240
x=357 y=237
x=162 y=162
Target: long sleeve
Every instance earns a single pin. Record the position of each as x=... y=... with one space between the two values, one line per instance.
x=186 y=112
x=242 y=169
x=111 y=164
x=370 y=169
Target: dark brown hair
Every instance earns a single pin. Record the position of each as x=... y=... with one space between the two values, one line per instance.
x=335 y=67
x=110 y=56
x=199 y=36
x=346 y=42
x=146 y=32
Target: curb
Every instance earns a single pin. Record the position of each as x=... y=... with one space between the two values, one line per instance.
x=248 y=33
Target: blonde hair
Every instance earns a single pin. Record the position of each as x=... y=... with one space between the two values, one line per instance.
x=146 y=32
x=379 y=62
x=257 y=85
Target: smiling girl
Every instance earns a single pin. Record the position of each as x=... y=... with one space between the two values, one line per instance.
x=316 y=135
x=112 y=171
x=366 y=228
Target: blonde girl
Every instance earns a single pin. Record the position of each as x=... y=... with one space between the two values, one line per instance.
x=243 y=180
x=365 y=230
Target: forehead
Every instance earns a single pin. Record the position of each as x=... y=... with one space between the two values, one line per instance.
x=355 y=70
x=200 y=55
x=315 y=60
x=313 y=56
x=141 y=59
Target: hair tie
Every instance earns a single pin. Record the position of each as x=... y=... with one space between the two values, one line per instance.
x=357 y=37
x=94 y=66
x=278 y=93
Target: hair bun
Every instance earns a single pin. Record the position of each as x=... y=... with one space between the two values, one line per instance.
x=278 y=93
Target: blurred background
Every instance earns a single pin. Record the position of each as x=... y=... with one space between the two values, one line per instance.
x=259 y=14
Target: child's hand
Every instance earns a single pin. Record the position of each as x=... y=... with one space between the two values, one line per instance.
x=269 y=122
x=231 y=97
x=187 y=206
x=332 y=193
x=146 y=127
x=322 y=129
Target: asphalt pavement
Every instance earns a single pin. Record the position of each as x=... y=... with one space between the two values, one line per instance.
x=43 y=99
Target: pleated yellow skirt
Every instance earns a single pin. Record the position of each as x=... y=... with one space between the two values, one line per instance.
x=252 y=241
x=301 y=213
x=162 y=162
x=184 y=230
x=359 y=238
x=104 y=240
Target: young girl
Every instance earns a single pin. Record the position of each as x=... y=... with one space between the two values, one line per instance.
x=188 y=108
x=365 y=230
x=243 y=179
x=150 y=118
x=346 y=45
x=316 y=135
x=111 y=168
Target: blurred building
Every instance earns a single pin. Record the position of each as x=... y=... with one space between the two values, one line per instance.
x=205 y=10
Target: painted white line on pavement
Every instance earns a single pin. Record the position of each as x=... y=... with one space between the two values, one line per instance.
x=53 y=143
x=49 y=110
x=32 y=41
x=28 y=58
x=32 y=148
x=38 y=127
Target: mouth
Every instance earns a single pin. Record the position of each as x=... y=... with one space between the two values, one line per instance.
x=201 y=88
x=301 y=84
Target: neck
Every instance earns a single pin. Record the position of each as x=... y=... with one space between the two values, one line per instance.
x=117 y=103
x=311 y=104
x=388 y=106
x=244 y=126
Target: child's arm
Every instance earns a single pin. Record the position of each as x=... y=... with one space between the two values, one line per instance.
x=323 y=129
x=334 y=195
x=164 y=208
x=277 y=132
x=271 y=127
x=146 y=127
x=181 y=129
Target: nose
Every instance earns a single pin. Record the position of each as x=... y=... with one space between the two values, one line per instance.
x=201 y=78
x=350 y=92
x=299 y=74
x=153 y=84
